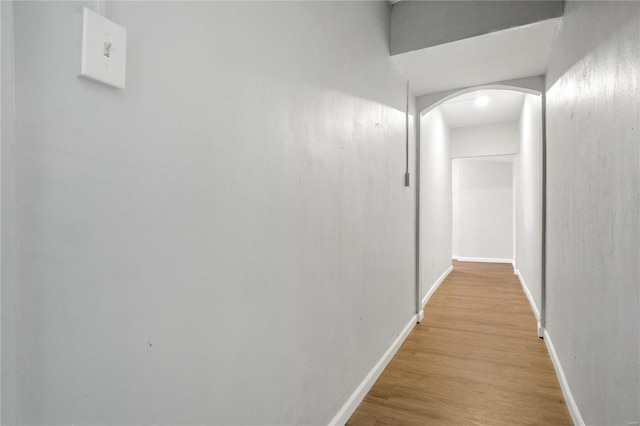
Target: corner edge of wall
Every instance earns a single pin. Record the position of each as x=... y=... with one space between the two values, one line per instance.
x=564 y=385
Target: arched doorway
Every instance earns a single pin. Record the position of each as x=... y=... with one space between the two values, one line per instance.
x=499 y=132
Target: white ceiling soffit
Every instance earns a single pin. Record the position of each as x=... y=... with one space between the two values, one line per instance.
x=462 y=111
x=502 y=55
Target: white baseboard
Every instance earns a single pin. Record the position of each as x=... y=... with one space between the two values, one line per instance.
x=435 y=286
x=483 y=259
x=370 y=379
x=529 y=296
x=566 y=391
x=540 y=330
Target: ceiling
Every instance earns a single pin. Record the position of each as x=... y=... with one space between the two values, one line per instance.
x=462 y=111
x=502 y=55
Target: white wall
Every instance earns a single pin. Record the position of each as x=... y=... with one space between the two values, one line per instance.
x=455 y=205
x=483 y=209
x=528 y=181
x=435 y=199
x=488 y=139
x=228 y=240
x=594 y=208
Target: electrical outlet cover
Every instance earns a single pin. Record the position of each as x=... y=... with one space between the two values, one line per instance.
x=104 y=49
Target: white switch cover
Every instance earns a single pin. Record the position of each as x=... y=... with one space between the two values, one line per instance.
x=104 y=49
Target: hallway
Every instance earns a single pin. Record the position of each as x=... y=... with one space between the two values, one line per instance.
x=474 y=359
x=245 y=233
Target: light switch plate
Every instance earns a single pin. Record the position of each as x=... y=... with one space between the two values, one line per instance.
x=104 y=49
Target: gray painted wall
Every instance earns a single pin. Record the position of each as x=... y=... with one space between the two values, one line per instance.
x=594 y=208
x=435 y=199
x=420 y=24
x=528 y=181
x=228 y=240
x=7 y=215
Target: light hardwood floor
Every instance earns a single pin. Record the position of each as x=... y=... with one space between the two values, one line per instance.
x=475 y=359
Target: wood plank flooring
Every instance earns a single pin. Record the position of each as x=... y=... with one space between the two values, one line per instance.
x=475 y=359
